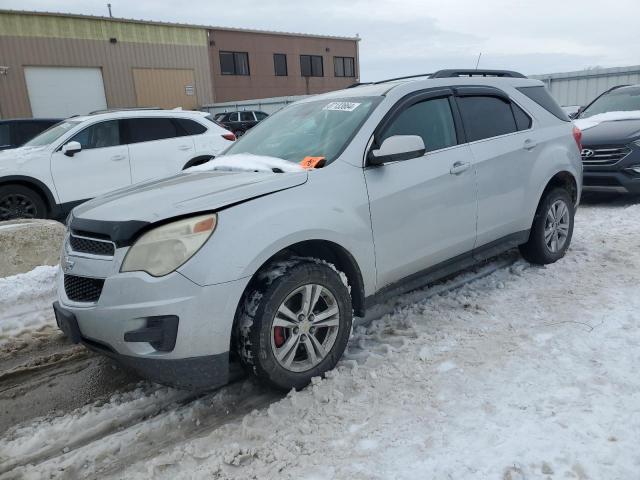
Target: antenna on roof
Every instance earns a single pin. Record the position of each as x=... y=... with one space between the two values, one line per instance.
x=109 y=7
x=478 y=61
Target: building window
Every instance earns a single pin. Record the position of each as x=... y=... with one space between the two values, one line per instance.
x=280 y=64
x=344 y=67
x=311 y=66
x=234 y=63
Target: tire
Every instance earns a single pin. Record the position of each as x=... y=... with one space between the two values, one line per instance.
x=555 y=214
x=18 y=201
x=278 y=354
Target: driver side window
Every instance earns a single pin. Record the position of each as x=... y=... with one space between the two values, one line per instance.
x=430 y=119
x=99 y=135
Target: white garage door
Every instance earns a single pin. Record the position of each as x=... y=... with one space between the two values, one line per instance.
x=64 y=91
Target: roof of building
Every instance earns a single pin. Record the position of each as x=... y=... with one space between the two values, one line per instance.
x=172 y=24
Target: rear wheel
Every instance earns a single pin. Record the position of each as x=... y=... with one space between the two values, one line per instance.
x=17 y=201
x=295 y=324
x=552 y=228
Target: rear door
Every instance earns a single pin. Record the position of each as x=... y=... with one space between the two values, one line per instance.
x=158 y=147
x=423 y=210
x=247 y=119
x=504 y=153
x=101 y=166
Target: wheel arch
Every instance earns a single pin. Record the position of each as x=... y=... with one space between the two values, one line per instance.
x=36 y=185
x=563 y=179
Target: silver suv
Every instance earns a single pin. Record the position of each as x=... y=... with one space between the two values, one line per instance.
x=265 y=254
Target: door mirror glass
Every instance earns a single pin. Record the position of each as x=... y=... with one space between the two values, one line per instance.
x=71 y=148
x=397 y=147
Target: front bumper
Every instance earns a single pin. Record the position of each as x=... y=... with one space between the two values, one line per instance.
x=618 y=177
x=195 y=355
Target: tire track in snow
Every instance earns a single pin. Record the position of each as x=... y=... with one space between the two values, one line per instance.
x=165 y=425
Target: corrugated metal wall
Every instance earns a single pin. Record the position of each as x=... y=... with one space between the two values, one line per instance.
x=579 y=88
x=137 y=46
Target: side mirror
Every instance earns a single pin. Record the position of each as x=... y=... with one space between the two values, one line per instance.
x=396 y=148
x=71 y=148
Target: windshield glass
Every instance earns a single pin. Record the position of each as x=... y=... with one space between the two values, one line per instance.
x=51 y=134
x=623 y=99
x=311 y=129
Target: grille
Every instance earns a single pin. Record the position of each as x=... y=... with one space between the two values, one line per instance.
x=83 y=289
x=92 y=246
x=604 y=155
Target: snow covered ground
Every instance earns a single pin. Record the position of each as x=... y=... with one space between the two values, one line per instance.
x=524 y=373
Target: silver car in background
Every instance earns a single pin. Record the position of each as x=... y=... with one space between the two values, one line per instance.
x=334 y=203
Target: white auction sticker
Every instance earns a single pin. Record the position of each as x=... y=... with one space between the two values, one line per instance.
x=341 y=106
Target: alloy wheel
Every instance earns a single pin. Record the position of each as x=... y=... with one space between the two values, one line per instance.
x=556 y=227
x=15 y=206
x=305 y=327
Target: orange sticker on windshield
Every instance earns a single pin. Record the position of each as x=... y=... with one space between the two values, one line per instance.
x=312 y=162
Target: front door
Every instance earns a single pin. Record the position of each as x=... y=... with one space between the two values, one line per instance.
x=100 y=167
x=423 y=210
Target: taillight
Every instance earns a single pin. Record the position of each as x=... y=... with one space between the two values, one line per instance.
x=577 y=136
x=229 y=136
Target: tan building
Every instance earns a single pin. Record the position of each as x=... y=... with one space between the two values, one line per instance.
x=54 y=65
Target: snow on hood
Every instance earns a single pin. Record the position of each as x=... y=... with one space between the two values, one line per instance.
x=246 y=162
x=590 y=122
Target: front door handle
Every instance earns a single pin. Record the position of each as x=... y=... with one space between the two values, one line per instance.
x=117 y=158
x=529 y=144
x=459 y=167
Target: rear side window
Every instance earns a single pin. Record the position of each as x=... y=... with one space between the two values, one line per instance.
x=191 y=127
x=431 y=119
x=5 y=137
x=149 y=129
x=261 y=115
x=486 y=117
x=523 y=121
x=246 y=117
x=542 y=97
x=99 y=135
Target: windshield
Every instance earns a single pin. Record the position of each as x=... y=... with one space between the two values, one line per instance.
x=310 y=129
x=623 y=99
x=51 y=134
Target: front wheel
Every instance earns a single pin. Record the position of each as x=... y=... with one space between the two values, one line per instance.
x=552 y=228
x=17 y=201
x=295 y=324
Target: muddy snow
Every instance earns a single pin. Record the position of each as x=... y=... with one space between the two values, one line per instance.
x=509 y=371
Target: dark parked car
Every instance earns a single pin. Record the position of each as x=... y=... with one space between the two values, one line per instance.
x=16 y=132
x=611 y=141
x=240 y=122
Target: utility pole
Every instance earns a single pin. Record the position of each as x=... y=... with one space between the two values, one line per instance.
x=109 y=7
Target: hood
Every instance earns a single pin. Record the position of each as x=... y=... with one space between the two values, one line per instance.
x=120 y=214
x=612 y=132
x=20 y=155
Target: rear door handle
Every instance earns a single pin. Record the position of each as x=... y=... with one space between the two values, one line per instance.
x=184 y=147
x=529 y=144
x=117 y=158
x=459 y=167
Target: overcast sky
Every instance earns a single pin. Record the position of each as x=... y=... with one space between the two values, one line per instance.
x=404 y=37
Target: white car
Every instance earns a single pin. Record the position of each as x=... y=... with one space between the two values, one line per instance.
x=84 y=157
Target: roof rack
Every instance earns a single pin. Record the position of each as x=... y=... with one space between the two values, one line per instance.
x=471 y=72
x=110 y=110
x=402 y=78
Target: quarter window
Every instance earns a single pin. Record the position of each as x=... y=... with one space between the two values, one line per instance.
x=190 y=127
x=280 y=64
x=246 y=117
x=311 y=66
x=431 y=119
x=234 y=63
x=99 y=135
x=486 y=117
x=344 y=66
x=149 y=129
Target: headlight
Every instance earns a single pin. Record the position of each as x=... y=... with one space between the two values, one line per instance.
x=162 y=250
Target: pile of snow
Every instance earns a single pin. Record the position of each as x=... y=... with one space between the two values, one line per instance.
x=25 y=244
x=590 y=122
x=245 y=162
x=25 y=301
